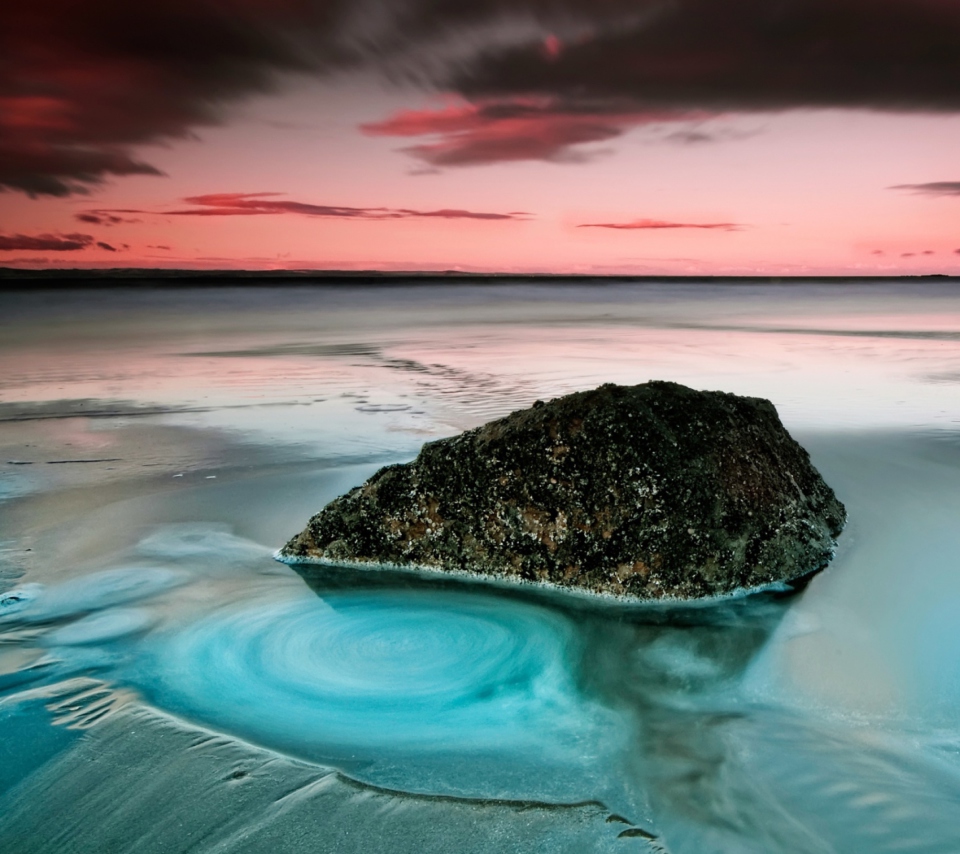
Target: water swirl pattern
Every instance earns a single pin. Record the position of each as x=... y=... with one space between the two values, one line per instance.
x=365 y=673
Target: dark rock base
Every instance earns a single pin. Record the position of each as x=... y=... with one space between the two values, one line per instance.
x=652 y=491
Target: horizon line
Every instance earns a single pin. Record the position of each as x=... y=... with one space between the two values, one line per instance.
x=15 y=277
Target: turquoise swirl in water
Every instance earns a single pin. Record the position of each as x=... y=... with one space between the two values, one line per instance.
x=374 y=674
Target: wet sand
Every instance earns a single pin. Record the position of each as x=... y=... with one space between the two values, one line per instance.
x=176 y=441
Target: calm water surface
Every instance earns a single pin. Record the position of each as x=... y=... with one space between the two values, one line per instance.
x=165 y=686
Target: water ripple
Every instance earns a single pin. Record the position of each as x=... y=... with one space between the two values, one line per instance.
x=386 y=670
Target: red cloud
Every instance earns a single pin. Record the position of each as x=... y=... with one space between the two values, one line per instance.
x=552 y=46
x=261 y=204
x=44 y=242
x=658 y=223
x=516 y=129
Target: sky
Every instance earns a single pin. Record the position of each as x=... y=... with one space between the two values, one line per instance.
x=649 y=137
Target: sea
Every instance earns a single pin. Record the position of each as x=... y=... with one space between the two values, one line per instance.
x=167 y=686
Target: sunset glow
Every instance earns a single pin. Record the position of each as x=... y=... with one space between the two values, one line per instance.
x=627 y=137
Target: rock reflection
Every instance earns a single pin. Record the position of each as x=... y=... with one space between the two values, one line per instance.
x=722 y=772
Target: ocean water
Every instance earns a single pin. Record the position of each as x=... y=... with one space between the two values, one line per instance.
x=166 y=686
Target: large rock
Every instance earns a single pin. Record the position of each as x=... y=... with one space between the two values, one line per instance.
x=647 y=491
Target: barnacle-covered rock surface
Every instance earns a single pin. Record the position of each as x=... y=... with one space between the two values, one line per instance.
x=646 y=491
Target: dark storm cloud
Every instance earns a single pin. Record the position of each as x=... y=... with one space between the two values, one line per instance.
x=933 y=188
x=741 y=55
x=659 y=224
x=266 y=204
x=44 y=242
x=82 y=84
x=621 y=61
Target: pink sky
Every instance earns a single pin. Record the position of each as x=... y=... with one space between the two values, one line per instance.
x=517 y=147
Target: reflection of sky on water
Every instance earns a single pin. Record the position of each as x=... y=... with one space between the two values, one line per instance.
x=870 y=637
x=417 y=363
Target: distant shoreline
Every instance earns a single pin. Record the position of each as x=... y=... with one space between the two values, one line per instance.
x=12 y=278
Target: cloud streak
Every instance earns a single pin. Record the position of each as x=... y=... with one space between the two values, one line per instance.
x=465 y=134
x=932 y=188
x=266 y=204
x=44 y=242
x=100 y=217
x=656 y=224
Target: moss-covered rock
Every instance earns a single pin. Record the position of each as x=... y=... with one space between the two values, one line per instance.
x=647 y=491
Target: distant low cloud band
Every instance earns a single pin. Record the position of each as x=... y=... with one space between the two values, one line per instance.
x=657 y=224
x=267 y=204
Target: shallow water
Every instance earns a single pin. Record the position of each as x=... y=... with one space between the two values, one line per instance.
x=157 y=447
